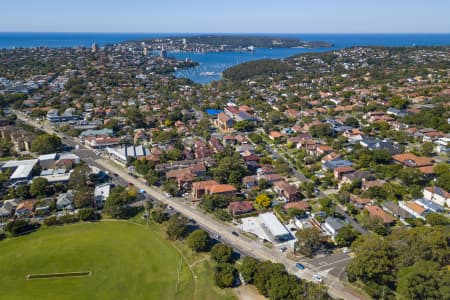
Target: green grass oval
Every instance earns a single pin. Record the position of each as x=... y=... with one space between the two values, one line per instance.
x=127 y=261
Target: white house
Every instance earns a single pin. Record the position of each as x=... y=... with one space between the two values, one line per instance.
x=437 y=195
x=101 y=193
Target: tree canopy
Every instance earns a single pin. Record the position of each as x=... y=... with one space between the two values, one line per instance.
x=45 y=144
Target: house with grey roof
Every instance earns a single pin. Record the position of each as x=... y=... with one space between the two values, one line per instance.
x=65 y=200
x=332 y=226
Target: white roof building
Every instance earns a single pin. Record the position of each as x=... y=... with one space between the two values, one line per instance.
x=22 y=169
x=273 y=227
x=122 y=153
x=101 y=193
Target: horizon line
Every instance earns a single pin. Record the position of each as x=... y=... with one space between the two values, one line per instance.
x=217 y=33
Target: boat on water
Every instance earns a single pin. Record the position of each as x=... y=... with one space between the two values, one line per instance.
x=210 y=74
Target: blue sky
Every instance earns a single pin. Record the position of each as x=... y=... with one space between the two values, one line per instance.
x=263 y=16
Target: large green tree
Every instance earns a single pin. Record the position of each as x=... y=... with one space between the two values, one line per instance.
x=38 y=187
x=222 y=253
x=45 y=144
x=423 y=280
x=198 y=240
x=308 y=241
x=176 y=229
x=345 y=236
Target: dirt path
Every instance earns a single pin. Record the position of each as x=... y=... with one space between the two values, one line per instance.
x=248 y=292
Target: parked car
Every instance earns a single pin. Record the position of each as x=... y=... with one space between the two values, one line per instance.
x=235 y=233
x=282 y=249
x=345 y=250
x=300 y=266
x=317 y=278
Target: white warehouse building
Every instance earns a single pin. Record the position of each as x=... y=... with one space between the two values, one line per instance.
x=273 y=227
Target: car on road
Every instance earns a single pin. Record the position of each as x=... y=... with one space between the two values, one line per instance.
x=169 y=207
x=235 y=233
x=317 y=278
x=115 y=174
x=283 y=249
x=300 y=266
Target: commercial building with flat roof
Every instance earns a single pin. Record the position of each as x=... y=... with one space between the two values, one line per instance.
x=273 y=227
x=21 y=169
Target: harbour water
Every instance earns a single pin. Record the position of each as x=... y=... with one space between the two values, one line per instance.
x=212 y=64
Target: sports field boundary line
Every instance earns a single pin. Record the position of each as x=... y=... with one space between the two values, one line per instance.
x=59 y=275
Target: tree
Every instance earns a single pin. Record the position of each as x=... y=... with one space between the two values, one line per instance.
x=248 y=268
x=213 y=202
x=308 y=240
x=373 y=263
x=88 y=214
x=399 y=102
x=351 y=121
x=436 y=219
x=176 y=229
x=421 y=281
x=79 y=177
x=244 y=126
x=267 y=270
x=116 y=203
x=83 y=197
x=410 y=176
x=345 y=236
x=46 y=143
x=263 y=200
x=321 y=130
x=224 y=275
x=427 y=148
x=222 y=253
x=170 y=187
x=443 y=176
x=198 y=240
x=159 y=216
x=230 y=167
x=23 y=191
x=38 y=187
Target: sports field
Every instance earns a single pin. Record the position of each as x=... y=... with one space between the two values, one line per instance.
x=126 y=261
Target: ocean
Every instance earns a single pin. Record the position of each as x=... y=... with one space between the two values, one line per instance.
x=212 y=64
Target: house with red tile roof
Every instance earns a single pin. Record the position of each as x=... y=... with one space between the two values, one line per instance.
x=240 y=207
x=199 y=188
x=424 y=164
x=379 y=213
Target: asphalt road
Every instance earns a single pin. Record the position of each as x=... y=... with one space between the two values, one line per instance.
x=241 y=243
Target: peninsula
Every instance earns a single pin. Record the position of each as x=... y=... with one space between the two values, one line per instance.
x=223 y=43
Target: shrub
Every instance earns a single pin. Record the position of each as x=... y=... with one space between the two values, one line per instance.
x=51 y=221
x=88 y=214
x=66 y=219
x=18 y=227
